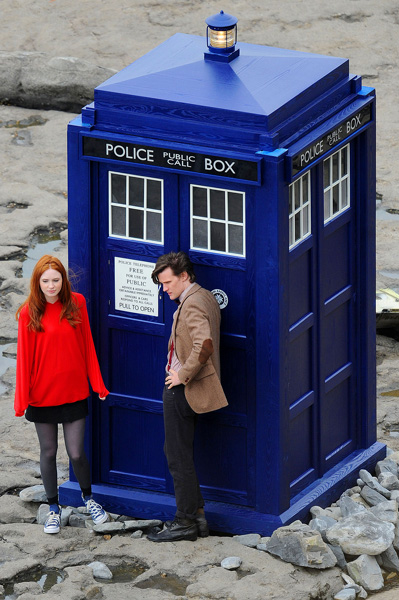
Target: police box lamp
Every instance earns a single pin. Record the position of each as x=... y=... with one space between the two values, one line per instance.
x=221 y=37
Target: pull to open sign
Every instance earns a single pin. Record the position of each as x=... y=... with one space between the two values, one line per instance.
x=182 y=160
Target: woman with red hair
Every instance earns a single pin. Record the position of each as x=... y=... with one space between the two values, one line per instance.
x=55 y=359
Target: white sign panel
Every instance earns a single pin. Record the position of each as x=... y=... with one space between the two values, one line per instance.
x=135 y=291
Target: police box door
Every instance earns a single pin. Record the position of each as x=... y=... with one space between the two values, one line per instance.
x=144 y=213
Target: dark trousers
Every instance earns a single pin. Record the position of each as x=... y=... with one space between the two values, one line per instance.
x=180 y=421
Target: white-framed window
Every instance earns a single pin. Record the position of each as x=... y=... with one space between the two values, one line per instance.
x=336 y=183
x=299 y=210
x=217 y=220
x=135 y=207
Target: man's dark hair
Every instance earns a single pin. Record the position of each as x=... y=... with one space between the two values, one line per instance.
x=178 y=262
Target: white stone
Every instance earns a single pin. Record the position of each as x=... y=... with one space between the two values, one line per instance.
x=345 y=594
x=100 y=570
x=362 y=533
x=231 y=562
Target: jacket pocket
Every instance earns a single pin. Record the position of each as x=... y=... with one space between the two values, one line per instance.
x=206 y=370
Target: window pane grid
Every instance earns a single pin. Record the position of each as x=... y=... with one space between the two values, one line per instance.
x=299 y=210
x=217 y=224
x=336 y=170
x=140 y=207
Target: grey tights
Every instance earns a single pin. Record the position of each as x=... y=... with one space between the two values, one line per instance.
x=74 y=443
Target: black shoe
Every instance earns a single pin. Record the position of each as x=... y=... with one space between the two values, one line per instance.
x=202 y=525
x=179 y=529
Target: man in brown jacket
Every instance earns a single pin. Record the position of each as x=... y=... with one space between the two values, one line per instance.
x=192 y=386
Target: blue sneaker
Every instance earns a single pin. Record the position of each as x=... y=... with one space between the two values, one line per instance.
x=96 y=511
x=53 y=522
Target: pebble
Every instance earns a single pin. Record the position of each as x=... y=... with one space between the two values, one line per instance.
x=100 y=570
x=231 y=563
x=346 y=594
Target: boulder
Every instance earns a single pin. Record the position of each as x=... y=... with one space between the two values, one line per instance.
x=300 y=545
x=362 y=533
x=38 y=80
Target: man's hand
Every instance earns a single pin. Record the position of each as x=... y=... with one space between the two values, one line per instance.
x=172 y=379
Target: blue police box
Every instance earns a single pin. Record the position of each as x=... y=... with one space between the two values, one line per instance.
x=260 y=164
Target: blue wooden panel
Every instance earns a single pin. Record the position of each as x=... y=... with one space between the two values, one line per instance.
x=299 y=360
x=336 y=336
x=337 y=273
x=234 y=380
x=302 y=460
x=300 y=286
x=130 y=451
x=224 y=477
x=337 y=407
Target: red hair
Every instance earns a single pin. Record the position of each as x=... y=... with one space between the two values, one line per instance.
x=36 y=300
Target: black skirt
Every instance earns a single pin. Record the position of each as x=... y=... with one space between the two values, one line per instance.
x=64 y=413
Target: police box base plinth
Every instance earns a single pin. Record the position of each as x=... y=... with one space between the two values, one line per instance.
x=230 y=518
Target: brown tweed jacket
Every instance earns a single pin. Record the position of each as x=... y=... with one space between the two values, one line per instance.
x=196 y=334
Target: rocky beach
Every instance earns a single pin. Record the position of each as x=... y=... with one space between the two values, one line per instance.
x=52 y=55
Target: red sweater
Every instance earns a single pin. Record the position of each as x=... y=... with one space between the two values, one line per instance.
x=53 y=365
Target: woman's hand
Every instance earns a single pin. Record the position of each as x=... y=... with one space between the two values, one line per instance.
x=101 y=398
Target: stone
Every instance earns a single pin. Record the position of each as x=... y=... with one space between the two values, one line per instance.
x=374 y=484
x=395 y=496
x=137 y=534
x=394 y=456
x=141 y=524
x=26 y=587
x=39 y=80
x=389 y=481
x=349 y=506
x=231 y=563
x=35 y=493
x=386 y=466
x=386 y=511
x=366 y=572
x=360 y=483
x=333 y=512
x=100 y=570
x=348 y=580
x=108 y=527
x=345 y=594
x=362 y=533
x=76 y=520
x=371 y=496
x=321 y=524
x=250 y=539
x=365 y=476
x=300 y=545
x=339 y=555
x=389 y=560
x=262 y=547
x=13 y=510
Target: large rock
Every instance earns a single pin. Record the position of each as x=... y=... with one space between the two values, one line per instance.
x=362 y=533
x=366 y=572
x=300 y=545
x=37 y=80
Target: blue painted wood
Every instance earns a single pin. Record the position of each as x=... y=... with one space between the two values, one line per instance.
x=297 y=349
